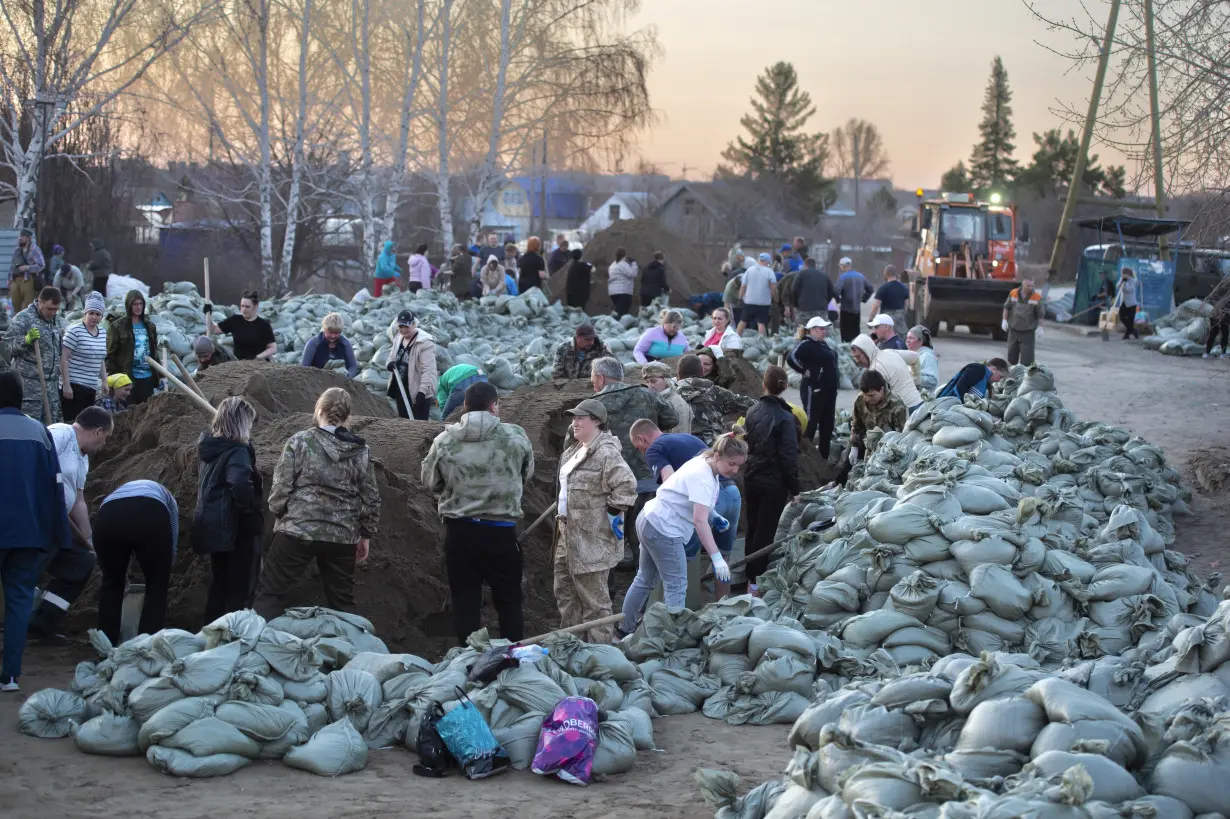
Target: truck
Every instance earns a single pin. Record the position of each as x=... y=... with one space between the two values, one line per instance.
x=965 y=265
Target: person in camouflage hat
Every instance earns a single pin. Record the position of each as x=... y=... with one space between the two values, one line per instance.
x=37 y=324
x=625 y=404
x=710 y=403
x=327 y=505
x=574 y=359
x=477 y=469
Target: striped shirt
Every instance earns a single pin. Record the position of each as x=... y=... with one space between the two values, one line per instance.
x=88 y=352
x=155 y=491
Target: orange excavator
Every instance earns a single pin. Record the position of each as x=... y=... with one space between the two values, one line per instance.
x=965 y=265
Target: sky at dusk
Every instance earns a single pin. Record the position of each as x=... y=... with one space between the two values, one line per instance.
x=918 y=70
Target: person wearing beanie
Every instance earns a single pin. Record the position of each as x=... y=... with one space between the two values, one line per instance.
x=208 y=354
x=119 y=388
x=83 y=359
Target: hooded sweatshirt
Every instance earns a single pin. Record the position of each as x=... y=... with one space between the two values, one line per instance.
x=386 y=264
x=894 y=365
x=324 y=488
x=420 y=270
x=477 y=468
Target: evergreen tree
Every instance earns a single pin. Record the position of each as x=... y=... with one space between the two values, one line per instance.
x=777 y=148
x=991 y=164
x=956 y=179
x=1054 y=161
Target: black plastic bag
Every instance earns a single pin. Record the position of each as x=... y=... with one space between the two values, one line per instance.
x=434 y=757
x=490 y=663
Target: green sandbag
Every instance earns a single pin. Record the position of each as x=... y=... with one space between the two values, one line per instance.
x=108 y=735
x=175 y=762
x=334 y=750
x=51 y=713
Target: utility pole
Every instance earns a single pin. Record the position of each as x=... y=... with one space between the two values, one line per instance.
x=858 y=162
x=1082 y=158
x=542 y=194
x=1159 y=187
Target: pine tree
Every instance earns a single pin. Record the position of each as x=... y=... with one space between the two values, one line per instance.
x=777 y=148
x=991 y=164
x=956 y=179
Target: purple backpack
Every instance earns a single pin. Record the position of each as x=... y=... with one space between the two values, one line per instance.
x=568 y=740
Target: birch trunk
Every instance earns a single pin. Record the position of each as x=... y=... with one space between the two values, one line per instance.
x=286 y=262
x=266 y=153
x=443 y=177
x=489 y=178
x=372 y=233
x=412 y=74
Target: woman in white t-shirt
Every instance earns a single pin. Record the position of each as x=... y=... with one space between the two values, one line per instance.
x=683 y=506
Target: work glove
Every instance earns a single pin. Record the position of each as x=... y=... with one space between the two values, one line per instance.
x=720 y=570
x=1003 y=325
x=719 y=524
x=392 y=365
x=420 y=402
x=853 y=456
x=209 y=308
x=617 y=524
x=1038 y=334
x=33 y=335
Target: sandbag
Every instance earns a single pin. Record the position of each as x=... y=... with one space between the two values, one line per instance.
x=784 y=672
x=1195 y=775
x=108 y=735
x=355 y=695
x=238 y=626
x=334 y=750
x=177 y=762
x=780 y=636
x=313 y=689
x=520 y=738
x=903 y=523
x=1111 y=783
x=288 y=655
x=999 y=588
x=616 y=751
x=51 y=713
x=173 y=718
x=641 y=726
x=211 y=736
x=988 y=680
x=825 y=710
x=1011 y=723
x=954 y=437
x=204 y=672
x=915 y=595
x=679 y=692
x=877 y=725
x=385 y=667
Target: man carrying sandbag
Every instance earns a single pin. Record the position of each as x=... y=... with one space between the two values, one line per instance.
x=477 y=468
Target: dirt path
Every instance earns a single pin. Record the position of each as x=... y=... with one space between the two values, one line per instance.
x=1179 y=404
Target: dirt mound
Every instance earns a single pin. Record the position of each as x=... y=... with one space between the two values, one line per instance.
x=686 y=271
x=1210 y=470
x=277 y=390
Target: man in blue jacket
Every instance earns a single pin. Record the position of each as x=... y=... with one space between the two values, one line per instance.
x=33 y=519
x=852 y=290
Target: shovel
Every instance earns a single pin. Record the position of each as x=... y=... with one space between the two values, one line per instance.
x=38 y=362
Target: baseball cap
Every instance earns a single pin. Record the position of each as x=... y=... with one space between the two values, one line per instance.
x=586 y=331
x=817 y=321
x=846 y=260
x=27 y=232
x=591 y=408
x=880 y=319
x=784 y=248
x=406 y=318
x=655 y=369
x=765 y=257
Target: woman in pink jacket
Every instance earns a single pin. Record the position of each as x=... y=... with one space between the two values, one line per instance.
x=419 y=276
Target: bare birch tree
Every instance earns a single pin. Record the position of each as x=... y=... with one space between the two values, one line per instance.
x=68 y=51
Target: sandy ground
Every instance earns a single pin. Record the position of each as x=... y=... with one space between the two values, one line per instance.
x=1179 y=404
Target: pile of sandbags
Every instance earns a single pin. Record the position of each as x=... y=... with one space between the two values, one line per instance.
x=317 y=689
x=1184 y=331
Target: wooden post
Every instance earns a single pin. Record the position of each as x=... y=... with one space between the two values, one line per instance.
x=187 y=375
x=601 y=621
x=184 y=388
x=38 y=362
x=209 y=318
x=537 y=522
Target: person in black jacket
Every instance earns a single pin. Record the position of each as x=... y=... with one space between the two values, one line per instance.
x=771 y=474
x=228 y=521
x=817 y=362
x=812 y=292
x=653 y=280
x=576 y=285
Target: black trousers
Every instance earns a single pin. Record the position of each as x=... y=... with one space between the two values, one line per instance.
x=764 y=508
x=69 y=571
x=287 y=560
x=235 y=573
x=142 y=389
x=418 y=410
x=124 y=529
x=821 y=413
x=623 y=303
x=1218 y=328
x=82 y=397
x=1127 y=317
x=851 y=326
x=475 y=554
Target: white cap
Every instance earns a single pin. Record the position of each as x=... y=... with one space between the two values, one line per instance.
x=817 y=321
x=880 y=319
x=846 y=260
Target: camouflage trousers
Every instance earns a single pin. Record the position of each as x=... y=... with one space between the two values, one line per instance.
x=581 y=598
x=32 y=393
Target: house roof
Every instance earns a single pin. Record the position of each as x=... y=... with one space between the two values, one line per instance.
x=566 y=198
x=747 y=212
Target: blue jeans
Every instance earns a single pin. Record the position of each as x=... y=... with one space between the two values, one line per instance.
x=661 y=557
x=457 y=395
x=19 y=571
x=729 y=505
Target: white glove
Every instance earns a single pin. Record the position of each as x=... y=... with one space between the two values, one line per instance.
x=1038 y=333
x=1003 y=325
x=853 y=456
x=720 y=570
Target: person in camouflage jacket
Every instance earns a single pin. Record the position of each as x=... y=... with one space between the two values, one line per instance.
x=37 y=324
x=625 y=405
x=874 y=408
x=327 y=504
x=710 y=403
x=477 y=469
x=574 y=359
